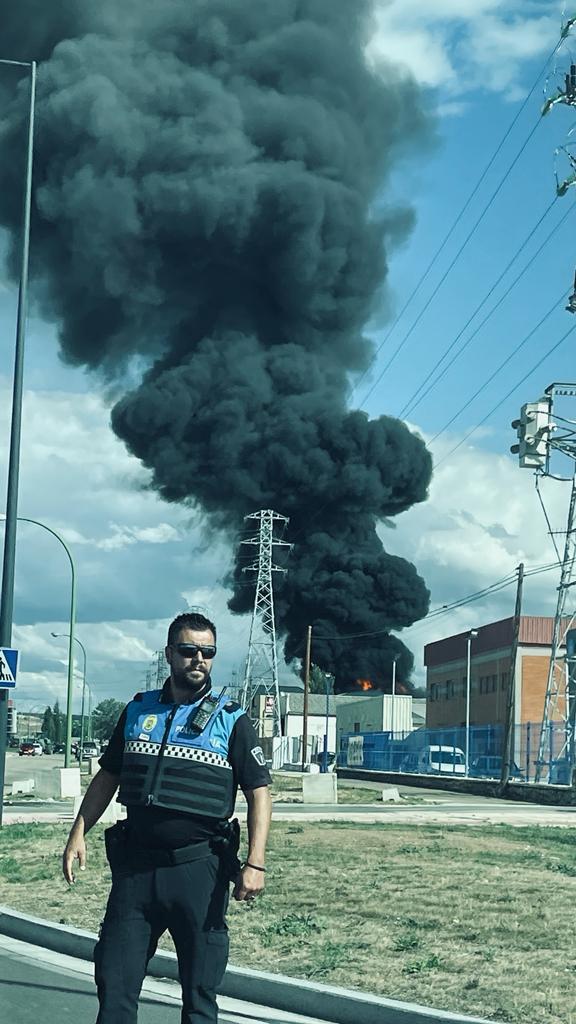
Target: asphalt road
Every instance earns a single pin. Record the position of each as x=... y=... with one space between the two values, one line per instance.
x=38 y=986
x=433 y=806
x=31 y=993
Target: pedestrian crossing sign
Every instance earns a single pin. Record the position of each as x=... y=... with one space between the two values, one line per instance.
x=8 y=667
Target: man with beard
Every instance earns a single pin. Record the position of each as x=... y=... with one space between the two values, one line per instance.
x=177 y=755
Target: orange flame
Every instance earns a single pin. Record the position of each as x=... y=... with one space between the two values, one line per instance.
x=364 y=684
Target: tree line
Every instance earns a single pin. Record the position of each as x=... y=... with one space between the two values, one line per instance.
x=99 y=725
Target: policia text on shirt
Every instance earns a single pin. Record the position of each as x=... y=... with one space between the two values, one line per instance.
x=178 y=756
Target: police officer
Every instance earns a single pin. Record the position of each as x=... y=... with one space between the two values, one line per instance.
x=177 y=755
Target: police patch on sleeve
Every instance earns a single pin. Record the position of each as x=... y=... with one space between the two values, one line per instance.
x=258 y=755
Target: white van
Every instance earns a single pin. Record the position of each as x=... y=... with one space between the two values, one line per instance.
x=439 y=760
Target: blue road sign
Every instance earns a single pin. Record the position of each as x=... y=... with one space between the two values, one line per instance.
x=8 y=667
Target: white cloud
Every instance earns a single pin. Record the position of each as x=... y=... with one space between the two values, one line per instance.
x=461 y=45
x=139 y=561
x=482 y=519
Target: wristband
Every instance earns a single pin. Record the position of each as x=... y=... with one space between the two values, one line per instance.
x=247 y=864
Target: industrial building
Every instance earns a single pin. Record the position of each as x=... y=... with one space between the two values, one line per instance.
x=446 y=664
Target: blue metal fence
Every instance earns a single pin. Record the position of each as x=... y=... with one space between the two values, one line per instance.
x=442 y=751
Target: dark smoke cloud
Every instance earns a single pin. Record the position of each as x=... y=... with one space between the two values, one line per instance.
x=208 y=176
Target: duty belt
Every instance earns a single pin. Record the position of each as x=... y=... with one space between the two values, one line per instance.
x=144 y=858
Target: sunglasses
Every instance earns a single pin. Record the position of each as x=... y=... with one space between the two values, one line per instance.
x=191 y=650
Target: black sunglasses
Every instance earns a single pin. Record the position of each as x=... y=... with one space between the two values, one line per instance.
x=191 y=650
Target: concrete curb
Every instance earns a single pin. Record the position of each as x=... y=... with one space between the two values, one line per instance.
x=325 y=1002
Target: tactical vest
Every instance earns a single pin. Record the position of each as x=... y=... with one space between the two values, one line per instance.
x=169 y=763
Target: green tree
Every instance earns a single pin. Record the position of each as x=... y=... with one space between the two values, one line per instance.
x=318 y=679
x=59 y=720
x=104 y=718
x=48 y=724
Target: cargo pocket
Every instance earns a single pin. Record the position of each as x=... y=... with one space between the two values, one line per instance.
x=217 y=944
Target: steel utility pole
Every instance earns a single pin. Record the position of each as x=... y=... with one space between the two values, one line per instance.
x=9 y=558
x=261 y=673
x=540 y=434
x=508 y=744
x=305 y=701
x=556 y=699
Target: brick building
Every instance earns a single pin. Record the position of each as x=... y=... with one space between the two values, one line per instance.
x=490 y=671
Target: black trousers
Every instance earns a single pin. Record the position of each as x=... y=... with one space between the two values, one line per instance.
x=190 y=901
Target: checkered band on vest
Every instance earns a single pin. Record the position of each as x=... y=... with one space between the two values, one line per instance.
x=192 y=754
x=141 y=747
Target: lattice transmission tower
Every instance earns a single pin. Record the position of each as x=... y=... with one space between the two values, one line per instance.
x=157 y=671
x=260 y=694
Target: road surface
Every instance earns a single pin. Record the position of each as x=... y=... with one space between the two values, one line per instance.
x=438 y=807
x=41 y=987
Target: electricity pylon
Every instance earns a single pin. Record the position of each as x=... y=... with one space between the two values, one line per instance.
x=261 y=672
x=540 y=434
x=558 y=693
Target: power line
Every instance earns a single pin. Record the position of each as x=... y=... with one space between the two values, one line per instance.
x=416 y=398
x=547 y=518
x=453 y=262
x=460 y=215
x=499 y=368
x=507 y=395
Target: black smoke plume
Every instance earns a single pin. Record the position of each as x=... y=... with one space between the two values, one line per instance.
x=209 y=223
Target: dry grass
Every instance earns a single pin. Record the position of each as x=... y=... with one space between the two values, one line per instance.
x=476 y=920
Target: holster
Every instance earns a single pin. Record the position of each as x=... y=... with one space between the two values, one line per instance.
x=115 y=841
x=226 y=845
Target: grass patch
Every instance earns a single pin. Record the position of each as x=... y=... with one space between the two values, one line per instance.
x=470 y=920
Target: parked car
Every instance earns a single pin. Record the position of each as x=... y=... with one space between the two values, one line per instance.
x=440 y=760
x=30 y=748
x=490 y=767
x=90 y=749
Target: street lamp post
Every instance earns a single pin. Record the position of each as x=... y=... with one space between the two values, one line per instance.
x=392 y=710
x=473 y=633
x=72 y=623
x=83 y=649
x=9 y=557
x=324 y=767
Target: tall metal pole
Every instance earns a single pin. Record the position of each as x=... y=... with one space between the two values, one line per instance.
x=306 y=692
x=555 y=691
x=473 y=633
x=508 y=738
x=571 y=693
x=9 y=558
x=394 y=660
x=83 y=649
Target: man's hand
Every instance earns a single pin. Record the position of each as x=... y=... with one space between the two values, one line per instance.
x=75 y=848
x=248 y=884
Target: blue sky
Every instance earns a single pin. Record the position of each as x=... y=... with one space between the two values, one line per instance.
x=140 y=560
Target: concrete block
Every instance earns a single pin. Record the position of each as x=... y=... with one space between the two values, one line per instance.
x=68 y=781
x=22 y=786
x=320 y=789
x=390 y=795
x=93 y=766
